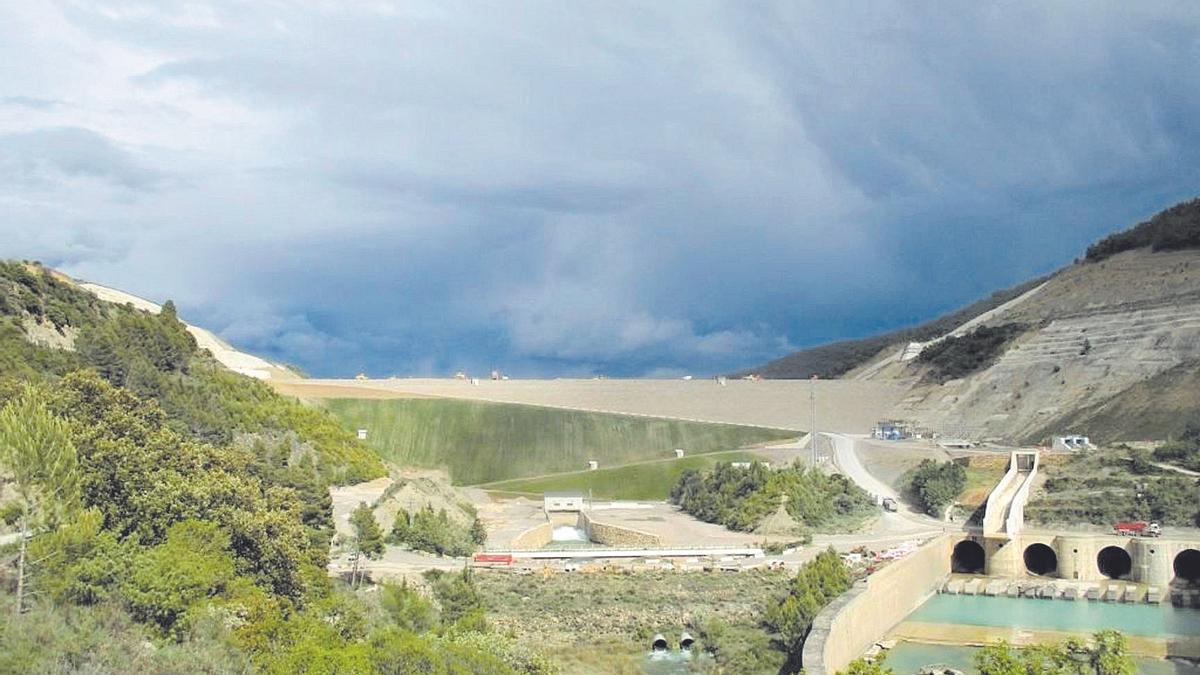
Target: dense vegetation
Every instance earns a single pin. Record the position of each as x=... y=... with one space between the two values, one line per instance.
x=1175 y=228
x=176 y=518
x=480 y=442
x=837 y=358
x=436 y=532
x=1107 y=654
x=1183 y=451
x=817 y=583
x=959 y=356
x=741 y=497
x=1105 y=487
x=649 y=481
x=154 y=357
x=935 y=485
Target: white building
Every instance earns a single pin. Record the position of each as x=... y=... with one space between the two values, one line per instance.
x=1073 y=443
x=562 y=501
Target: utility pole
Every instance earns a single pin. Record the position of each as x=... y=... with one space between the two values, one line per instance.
x=812 y=430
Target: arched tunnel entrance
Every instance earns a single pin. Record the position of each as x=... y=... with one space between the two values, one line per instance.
x=1187 y=566
x=968 y=558
x=1041 y=559
x=1114 y=562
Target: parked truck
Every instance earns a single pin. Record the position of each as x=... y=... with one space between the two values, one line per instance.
x=890 y=504
x=1137 y=528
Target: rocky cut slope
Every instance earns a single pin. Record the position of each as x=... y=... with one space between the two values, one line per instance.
x=1106 y=347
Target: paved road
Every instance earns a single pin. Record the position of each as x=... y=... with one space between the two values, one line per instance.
x=908 y=519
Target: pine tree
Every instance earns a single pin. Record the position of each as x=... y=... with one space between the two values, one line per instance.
x=368 y=538
x=37 y=452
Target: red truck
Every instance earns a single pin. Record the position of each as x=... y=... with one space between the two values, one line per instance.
x=1137 y=528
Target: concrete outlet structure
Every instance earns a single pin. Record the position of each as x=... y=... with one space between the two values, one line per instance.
x=1080 y=557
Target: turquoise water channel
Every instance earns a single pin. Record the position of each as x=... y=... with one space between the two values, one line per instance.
x=1080 y=616
x=907 y=658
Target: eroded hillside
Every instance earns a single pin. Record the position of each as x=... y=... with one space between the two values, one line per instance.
x=1095 y=331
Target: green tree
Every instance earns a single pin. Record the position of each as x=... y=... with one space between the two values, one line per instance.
x=863 y=667
x=819 y=581
x=478 y=532
x=936 y=485
x=1110 y=655
x=168 y=580
x=367 y=539
x=37 y=453
x=407 y=608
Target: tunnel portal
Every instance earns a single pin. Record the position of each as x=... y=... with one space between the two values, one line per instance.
x=1114 y=562
x=968 y=558
x=1041 y=559
x=1187 y=565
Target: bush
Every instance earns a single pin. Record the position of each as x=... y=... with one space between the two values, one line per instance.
x=741 y=497
x=435 y=532
x=935 y=486
x=956 y=357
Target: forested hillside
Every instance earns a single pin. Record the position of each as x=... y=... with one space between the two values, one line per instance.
x=154 y=357
x=172 y=517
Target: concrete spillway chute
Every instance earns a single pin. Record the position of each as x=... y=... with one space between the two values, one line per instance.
x=1004 y=514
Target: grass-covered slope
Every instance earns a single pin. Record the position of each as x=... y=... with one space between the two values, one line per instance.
x=641 y=481
x=482 y=442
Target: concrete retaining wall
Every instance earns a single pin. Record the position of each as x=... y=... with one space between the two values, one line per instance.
x=615 y=535
x=535 y=537
x=856 y=619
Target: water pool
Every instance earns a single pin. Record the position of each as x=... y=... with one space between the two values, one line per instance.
x=1076 y=616
x=908 y=657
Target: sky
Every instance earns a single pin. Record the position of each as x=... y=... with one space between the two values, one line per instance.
x=570 y=189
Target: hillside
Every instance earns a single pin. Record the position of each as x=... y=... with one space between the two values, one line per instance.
x=50 y=326
x=1107 y=346
x=480 y=442
x=173 y=516
x=839 y=358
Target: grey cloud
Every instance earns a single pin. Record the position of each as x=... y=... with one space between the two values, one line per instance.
x=626 y=188
x=36 y=156
x=31 y=102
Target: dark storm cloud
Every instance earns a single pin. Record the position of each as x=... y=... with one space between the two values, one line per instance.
x=549 y=188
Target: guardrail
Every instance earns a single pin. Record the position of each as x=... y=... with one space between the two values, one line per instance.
x=748 y=551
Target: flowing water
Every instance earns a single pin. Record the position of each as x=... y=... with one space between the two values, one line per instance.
x=568 y=533
x=674 y=662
